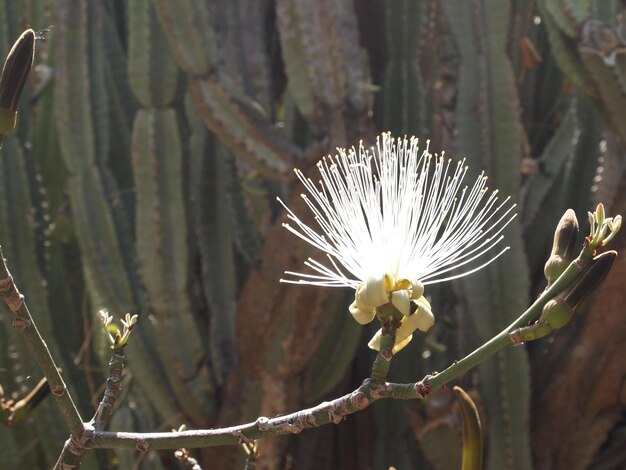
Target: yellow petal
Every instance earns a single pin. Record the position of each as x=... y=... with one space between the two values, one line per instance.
x=358 y=297
x=417 y=289
x=375 y=341
x=374 y=291
x=423 y=302
x=401 y=300
x=401 y=344
x=402 y=284
x=424 y=318
x=407 y=326
x=363 y=316
x=404 y=334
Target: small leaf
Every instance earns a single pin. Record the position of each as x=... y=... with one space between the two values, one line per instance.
x=472 y=431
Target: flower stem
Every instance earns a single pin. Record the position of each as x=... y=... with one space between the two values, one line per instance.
x=336 y=410
x=503 y=339
x=382 y=363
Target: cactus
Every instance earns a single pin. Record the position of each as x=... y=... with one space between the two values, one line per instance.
x=550 y=190
x=212 y=190
x=142 y=178
x=147 y=54
x=233 y=122
x=322 y=60
x=610 y=83
x=190 y=35
x=163 y=257
x=226 y=110
x=402 y=92
x=589 y=50
x=550 y=165
x=568 y=14
x=581 y=170
x=493 y=133
x=333 y=356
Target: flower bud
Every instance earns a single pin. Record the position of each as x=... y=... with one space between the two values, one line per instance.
x=557 y=312
x=589 y=280
x=562 y=247
x=600 y=214
x=14 y=74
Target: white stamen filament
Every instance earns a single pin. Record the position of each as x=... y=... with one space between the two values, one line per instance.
x=393 y=211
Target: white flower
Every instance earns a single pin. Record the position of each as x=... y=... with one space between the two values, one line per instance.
x=392 y=220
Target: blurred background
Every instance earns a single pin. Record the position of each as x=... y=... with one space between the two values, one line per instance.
x=152 y=140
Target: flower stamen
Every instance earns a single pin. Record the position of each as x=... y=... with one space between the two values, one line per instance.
x=391 y=220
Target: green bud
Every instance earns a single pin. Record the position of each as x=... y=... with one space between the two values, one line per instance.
x=557 y=313
x=589 y=280
x=554 y=267
x=14 y=75
x=563 y=246
x=600 y=214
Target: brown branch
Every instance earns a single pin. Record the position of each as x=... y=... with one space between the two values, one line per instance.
x=23 y=322
x=333 y=411
x=14 y=413
x=112 y=390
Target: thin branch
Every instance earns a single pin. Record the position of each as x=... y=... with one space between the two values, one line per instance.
x=503 y=339
x=112 y=390
x=75 y=447
x=23 y=322
x=336 y=410
x=13 y=413
x=328 y=412
x=85 y=437
x=73 y=451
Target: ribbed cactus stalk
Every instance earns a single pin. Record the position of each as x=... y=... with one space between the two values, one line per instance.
x=150 y=146
x=402 y=102
x=105 y=266
x=492 y=135
x=212 y=190
x=163 y=257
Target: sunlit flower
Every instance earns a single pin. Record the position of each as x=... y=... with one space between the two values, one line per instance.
x=392 y=220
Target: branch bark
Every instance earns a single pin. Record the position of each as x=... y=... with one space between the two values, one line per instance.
x=23 y=322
